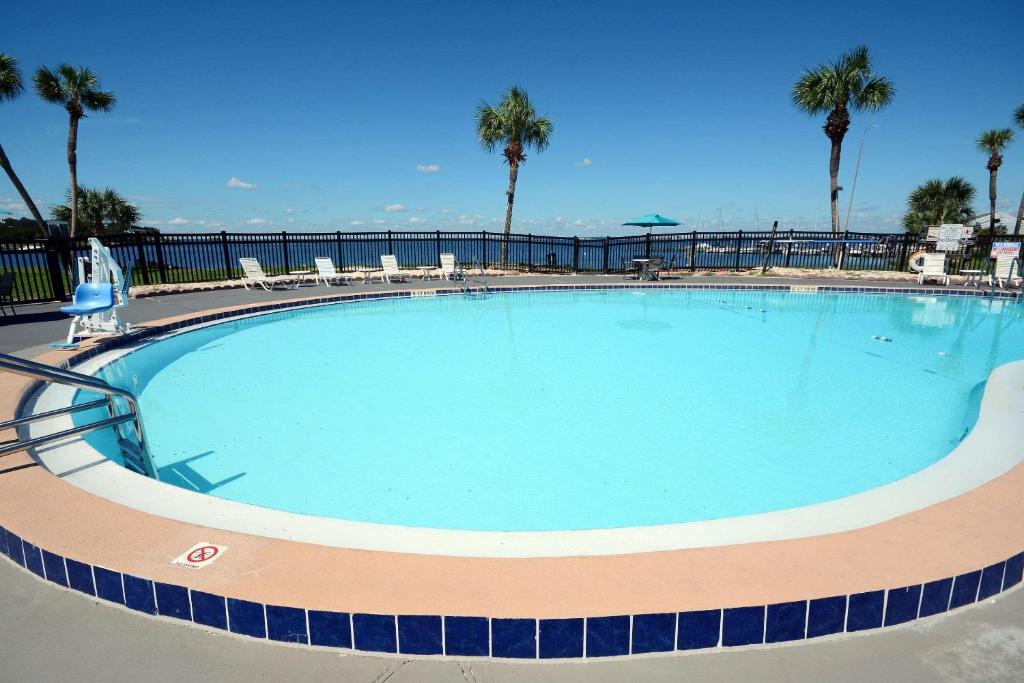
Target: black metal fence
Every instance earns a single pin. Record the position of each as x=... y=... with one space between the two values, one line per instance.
x=44 y=268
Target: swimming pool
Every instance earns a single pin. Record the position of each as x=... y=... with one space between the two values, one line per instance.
x=567 y=410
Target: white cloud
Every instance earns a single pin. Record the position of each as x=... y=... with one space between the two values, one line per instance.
x=394 y=207
x=178 y=221
x=379 y=221
x=585 y=161
x=428 y=168
x=415 y=219
x=355 y=222
x=445 y=211
x=240 y=184
x=256 y=221
x=291 y=220
x=289 y=211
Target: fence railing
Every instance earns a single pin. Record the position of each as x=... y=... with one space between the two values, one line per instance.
x=44 y=268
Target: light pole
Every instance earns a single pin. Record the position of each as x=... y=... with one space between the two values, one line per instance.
x=856 y=172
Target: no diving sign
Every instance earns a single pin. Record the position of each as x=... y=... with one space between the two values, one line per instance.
x=199 y=555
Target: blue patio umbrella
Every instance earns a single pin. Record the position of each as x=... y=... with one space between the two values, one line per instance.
x=652 y=220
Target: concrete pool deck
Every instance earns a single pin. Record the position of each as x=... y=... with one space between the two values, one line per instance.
x=968 y=531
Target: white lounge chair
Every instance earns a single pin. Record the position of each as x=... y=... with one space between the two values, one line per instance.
x=252 y=275
x=391 y=271
x=1003 y=272
x=326 y=271
x=933 y=268
x=450 y=268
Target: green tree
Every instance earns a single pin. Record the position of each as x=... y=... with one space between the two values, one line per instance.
x=77 y=89
x=847 y=84
x=102 y=212
x=1018 y=120
x=993 y=142
x=11 y=87
x=514 y=126
x=939 y=201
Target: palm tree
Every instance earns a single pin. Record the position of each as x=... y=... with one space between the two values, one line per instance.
x=77 y=89
x=514 y=124
x=845 y=85
x=101 y=211
x=11 y=87
x=993 y=142
x=1018 y=119
x=939 y=201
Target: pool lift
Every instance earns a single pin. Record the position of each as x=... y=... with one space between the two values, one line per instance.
x=102 y=289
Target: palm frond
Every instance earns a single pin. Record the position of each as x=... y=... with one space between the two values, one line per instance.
x=876 y=94
x=938 y=201
x=98 y=100
x=512 y=123
x=49 y=86
x=1018 y=116
x=10 y=78
x=75 y=87
x=100 y=210
x=994 y=141
x=846 y=82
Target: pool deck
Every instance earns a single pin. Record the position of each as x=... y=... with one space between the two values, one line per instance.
x=962 y=535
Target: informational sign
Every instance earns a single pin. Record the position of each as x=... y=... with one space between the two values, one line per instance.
x=1010 y=249
x=199 y=555
x=951 y=237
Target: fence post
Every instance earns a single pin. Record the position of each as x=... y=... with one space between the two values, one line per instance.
x=901 y=262
x=140 y=251
x=53 y=269
x=693 y=251
x=575 y=254
x=391 y=244
x=739 y=243
x=227 y=254
x=160 y=264
x=284 y=250
x=647 y=245
x=605 y=257
x=789 y=248
x=529 y=253
x=483 y=248
x=437 y=244
x=341 y=251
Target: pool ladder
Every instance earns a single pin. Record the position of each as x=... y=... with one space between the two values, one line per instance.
x=467 y=281
x=135 y=450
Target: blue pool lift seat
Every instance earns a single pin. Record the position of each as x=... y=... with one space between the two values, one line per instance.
x=90 y=298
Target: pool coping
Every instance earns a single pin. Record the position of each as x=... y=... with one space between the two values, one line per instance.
x=926 y=562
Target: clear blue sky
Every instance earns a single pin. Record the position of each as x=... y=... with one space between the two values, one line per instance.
x=329 y=109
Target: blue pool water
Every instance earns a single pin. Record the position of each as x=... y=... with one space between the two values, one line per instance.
x=568 y=410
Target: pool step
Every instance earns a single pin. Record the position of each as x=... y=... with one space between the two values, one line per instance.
x=133 y=459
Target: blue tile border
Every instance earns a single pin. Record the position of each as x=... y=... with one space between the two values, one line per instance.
x=520 y=638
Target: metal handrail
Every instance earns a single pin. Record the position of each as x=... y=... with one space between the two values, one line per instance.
x=49 y=373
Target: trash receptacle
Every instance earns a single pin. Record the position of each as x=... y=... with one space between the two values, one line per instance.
x=552 y=259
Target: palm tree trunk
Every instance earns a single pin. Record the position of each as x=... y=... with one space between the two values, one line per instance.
x=6 y=164
x=1020 y=215
x=73 y=170
x=833 y=181
x=513 y=175
x=992 y=203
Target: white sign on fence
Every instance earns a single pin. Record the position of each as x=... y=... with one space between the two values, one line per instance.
x=951 y=237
